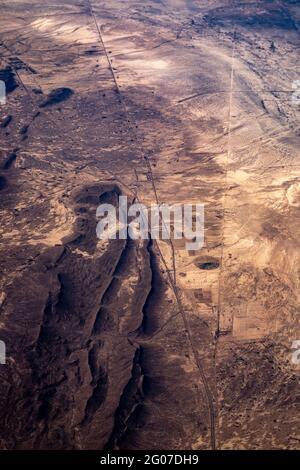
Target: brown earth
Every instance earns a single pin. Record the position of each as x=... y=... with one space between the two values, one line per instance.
x=142 y=344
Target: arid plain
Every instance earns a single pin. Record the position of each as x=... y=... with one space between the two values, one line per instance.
x=142 y=344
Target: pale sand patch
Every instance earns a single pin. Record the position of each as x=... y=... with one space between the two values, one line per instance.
x=64 y=31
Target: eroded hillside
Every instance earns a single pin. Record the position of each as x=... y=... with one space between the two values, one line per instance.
x=142 y=344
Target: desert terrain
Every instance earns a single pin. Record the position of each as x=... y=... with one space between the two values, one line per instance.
x=142 y=344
